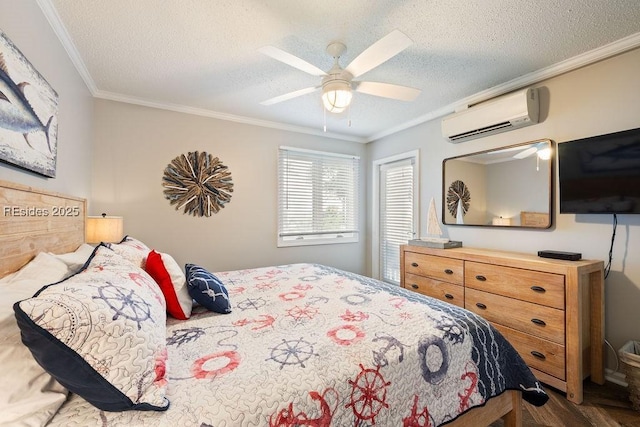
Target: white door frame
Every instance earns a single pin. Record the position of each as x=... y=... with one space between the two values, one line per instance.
x=375 y=204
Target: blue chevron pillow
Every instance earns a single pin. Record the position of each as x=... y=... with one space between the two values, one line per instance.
x=207 y=289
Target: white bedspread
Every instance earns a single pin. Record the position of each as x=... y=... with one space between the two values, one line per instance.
x=310 y=345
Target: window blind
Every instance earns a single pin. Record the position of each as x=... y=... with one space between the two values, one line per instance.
x=317 y=197
x=396 y=215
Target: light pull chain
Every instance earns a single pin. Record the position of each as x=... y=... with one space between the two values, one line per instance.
x=324 y=111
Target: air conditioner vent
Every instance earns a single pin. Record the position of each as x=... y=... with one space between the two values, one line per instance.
x=479 y=132
x=507 y=112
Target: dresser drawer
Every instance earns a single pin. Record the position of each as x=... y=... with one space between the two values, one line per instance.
x=534 y=319
x=540 y=354
x=445 y=269
x=453 y=294
x=527 y=285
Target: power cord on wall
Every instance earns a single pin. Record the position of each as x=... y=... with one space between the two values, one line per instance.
x=615 y=353
x=607 y=269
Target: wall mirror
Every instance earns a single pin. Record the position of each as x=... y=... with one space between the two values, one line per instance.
x=504 y=187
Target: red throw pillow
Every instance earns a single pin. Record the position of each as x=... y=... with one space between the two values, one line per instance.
x=173 y=283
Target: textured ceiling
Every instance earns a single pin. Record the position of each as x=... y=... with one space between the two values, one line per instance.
x=202 y=55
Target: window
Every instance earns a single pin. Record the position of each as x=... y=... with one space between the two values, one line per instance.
x=317 y=197
x=395 y=212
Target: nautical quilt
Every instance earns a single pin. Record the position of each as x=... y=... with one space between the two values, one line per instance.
x=310 y=345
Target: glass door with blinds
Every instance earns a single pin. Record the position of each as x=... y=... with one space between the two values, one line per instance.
x=397 y=214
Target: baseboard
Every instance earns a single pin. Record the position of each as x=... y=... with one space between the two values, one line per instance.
x=615 y=377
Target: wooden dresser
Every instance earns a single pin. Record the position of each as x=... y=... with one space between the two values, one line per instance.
x=552 y=311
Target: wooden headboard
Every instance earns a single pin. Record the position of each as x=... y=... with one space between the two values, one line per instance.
x=33 y=221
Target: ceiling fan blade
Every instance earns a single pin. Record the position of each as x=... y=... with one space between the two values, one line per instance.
x=292 y=60
x=525 y=153
x=290 y=95
x=382 y=50
x=387 y=90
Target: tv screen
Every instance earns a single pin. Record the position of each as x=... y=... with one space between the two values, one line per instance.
x=600 y=174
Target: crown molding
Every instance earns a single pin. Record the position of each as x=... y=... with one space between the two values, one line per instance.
x=111 y=96
x=58 y=27
x=578 y=61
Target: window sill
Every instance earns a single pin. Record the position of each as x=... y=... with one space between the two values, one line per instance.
x=312 y=242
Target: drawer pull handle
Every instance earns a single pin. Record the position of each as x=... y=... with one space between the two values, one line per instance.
x=481 y=278
x=448 y=296
x=414 y=264
x=538 y=355
x=538 y=289
x=448 y=271
x=414 y=286
x=481 y=305
x=539 y=322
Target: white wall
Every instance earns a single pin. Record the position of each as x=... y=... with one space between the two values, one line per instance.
x=26 y=26
x=597 y=99
x=134 y=144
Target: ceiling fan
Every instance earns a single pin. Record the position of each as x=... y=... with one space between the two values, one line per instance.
x=541 y=149
x=337 y=84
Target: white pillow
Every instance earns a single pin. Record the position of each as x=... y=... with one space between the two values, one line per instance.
x=29 y=396
x=40 y=269
x=75 y=260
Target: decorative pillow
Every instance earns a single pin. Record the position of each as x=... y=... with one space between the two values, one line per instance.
x=133 y=250
x=77 y=259
x=173 y=283
x=29 y=396
x=207 y=289
x=101 y=333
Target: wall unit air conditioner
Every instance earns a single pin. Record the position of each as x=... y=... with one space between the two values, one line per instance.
x=497 y=115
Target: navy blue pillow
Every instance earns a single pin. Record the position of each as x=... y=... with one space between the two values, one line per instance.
x=207 y=289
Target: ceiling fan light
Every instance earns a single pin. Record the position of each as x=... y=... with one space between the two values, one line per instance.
x=544 y=153
x=336 y=96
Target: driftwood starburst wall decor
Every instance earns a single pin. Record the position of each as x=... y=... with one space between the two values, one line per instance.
x=458 y=193
x=198 y=183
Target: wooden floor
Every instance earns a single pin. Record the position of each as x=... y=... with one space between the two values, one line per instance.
x=604 y=406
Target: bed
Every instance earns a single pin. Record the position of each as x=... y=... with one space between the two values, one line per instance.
x=303 y=345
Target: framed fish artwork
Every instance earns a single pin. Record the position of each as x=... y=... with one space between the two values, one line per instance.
x=28 y=113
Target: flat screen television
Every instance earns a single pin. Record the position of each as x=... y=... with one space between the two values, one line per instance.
x=600 y=174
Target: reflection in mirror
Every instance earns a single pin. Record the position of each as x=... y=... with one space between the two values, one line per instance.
x=505 y=187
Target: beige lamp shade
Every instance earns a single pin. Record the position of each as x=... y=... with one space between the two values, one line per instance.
x=108 y=229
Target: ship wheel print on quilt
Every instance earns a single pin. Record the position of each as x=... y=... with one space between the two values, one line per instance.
x=251 y=304
x=302 y=314
x=125 y=303
x=184 y=336
x=292 y=352
x=368 y=394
